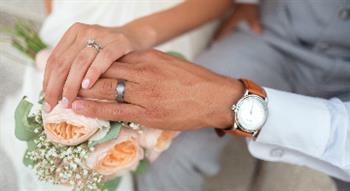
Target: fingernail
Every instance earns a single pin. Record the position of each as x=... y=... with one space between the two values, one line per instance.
x=47 y=107
x=85 y=84
x=77 y=106
x=64 y=102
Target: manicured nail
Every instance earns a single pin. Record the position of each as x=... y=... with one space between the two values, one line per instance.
x=65 y=102
x=85 y=84
x=77 y=106
x=47 y=107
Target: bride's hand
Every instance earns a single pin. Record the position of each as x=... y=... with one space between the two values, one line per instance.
x=162 y=91
x=243 y=12
x=73 y=64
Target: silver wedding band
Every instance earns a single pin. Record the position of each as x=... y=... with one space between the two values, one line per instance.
x=120 y=90
x=91 y=43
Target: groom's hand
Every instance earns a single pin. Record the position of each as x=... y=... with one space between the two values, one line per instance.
x=162 y=92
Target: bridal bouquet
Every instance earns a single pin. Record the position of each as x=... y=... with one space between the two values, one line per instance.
x=85 y=153
x=73 y=150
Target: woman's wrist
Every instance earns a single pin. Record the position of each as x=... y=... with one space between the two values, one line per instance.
x=141 y=36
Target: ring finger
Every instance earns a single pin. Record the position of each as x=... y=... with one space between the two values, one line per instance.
x=106 y=89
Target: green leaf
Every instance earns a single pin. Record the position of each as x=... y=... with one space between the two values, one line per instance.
x=25 y=125
x=31 y=145
x=143 y=166
x=176 y=54
x=41 y=97
x=27 y=161
x=111 y=185
x=112 y=134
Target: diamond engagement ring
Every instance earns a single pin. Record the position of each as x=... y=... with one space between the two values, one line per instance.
x=91 y=43
x=120 y=90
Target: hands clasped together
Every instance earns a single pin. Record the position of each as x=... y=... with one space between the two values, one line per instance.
x=161 y=91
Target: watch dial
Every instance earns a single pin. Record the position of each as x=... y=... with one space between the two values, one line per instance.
x=251 y=113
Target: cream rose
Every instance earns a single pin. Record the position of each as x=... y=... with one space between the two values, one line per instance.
x=64 y=126
x=155 y=141
x=116 y=157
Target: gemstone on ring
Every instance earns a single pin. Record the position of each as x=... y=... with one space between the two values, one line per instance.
x=91 y=43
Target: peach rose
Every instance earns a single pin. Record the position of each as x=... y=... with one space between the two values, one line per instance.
x=156 y=141
x=116 y=157
x=64 y=126
x=41 y=58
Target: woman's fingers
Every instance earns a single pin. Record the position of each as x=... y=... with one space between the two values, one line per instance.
x=105 y=89
x=66 y=41
x=58 y=76
x=77 y=71
x=227 y=28
x=104 y=59
x=109 y=111
x=255 y=26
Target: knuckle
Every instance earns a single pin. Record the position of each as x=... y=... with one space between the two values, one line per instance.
x=77 y=26
x=107 y=86
x=52 y=60
x=61 y=66
x=82 y=60
x=116 y=111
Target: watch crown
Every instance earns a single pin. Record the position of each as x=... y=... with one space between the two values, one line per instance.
x=233 y=107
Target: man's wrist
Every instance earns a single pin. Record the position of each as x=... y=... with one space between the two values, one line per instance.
x=225 y=118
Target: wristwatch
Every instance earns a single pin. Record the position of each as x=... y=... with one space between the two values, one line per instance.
x=250 y=112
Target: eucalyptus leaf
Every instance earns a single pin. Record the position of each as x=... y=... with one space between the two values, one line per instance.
x=111 y=185
x=176 y=54
x=31 y=145
x=25 y=125
x=41 y=97
x=112 y=134
x=27 y=161
x=142 y=167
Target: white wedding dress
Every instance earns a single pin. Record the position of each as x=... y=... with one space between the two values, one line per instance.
x=65 y=13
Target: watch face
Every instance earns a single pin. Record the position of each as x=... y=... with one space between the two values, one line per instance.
x=251 y=113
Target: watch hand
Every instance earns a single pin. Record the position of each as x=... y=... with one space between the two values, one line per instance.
x=251 y=109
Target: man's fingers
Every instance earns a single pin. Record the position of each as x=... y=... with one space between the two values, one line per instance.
x=78 y=70
x=105 y=89
x=104 y=60
x=109 y=111
x=120 y=70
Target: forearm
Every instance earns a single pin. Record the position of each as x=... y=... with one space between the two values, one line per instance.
x=157 y=28
x=48 y=6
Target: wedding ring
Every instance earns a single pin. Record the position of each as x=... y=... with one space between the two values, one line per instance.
x=91 y=43
x=120 y=90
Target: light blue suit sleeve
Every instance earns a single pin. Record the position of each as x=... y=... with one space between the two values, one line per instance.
x=307 y=131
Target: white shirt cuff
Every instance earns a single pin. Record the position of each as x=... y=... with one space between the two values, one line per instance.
x=295 y=122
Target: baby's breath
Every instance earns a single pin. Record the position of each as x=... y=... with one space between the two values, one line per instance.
x=60 y=164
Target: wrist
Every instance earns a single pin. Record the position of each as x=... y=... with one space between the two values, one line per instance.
x=141 y=36
x=223 y=117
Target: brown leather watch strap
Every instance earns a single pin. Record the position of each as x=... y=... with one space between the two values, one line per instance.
x=253 y=88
